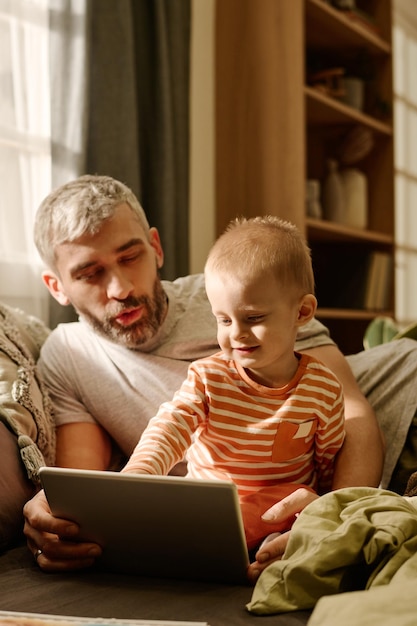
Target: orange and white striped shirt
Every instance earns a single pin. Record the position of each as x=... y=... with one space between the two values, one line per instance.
x=235 y=429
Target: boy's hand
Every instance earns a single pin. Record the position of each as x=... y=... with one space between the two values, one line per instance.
x=273 y=548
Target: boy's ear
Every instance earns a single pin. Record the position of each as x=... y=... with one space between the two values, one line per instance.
x=307 y=309
x=55 y=287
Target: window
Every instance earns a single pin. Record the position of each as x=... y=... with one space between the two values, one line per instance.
x=405 y=111
x=25 y=150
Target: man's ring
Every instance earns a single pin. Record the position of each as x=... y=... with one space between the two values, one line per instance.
x=37 y=555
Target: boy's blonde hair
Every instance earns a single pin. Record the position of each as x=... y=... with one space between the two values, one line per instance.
x=250 y=247
x=80 y=207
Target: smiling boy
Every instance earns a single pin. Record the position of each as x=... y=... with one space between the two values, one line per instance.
x=257 y=413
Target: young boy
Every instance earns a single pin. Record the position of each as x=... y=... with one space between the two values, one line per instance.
x=257 y=413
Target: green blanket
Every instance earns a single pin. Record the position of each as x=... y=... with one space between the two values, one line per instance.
x=348 y=540
x=394 y=605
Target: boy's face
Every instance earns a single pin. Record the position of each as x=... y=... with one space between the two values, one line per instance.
x=111 y=279
x=257 y=323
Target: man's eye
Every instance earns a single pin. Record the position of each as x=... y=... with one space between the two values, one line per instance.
x=90 y=276
x=131 y=258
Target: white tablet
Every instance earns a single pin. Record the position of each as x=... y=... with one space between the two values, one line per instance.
x=163 y=526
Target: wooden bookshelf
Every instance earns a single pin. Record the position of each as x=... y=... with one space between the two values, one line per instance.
x=275 y=129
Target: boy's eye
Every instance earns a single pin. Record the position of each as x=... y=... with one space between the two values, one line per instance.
x=253 y=319
x=223 y=321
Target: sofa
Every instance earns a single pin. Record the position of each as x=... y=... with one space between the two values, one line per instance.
x=23 y=587
x=27 y=441
x=356 y=544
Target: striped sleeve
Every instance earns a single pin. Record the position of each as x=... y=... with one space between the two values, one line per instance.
x=169 y=433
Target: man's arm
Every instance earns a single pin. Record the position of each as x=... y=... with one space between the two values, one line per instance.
x=83 y=445
x=79 y=445
x=360 y=461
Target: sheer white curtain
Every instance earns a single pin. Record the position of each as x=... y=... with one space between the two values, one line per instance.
x=25 y=148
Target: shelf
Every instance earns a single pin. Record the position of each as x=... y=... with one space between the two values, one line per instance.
x=350 y=314
x=274 y=131
x=321 y=109
x=348 y=327
x=332 y=25
x=322 y=230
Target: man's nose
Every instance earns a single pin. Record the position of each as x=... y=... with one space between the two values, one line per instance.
x=119 y=286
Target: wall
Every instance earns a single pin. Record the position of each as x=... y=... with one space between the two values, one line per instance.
x=202 y=188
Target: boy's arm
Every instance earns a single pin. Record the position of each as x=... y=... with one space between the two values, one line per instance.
x=161 y=446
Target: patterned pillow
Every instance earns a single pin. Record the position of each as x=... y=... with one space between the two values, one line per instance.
x=15 y=490
x=27 y=437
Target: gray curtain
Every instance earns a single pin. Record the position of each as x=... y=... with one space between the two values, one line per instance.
x=120 y=106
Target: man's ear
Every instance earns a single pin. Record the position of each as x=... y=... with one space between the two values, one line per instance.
x=306 y=309
x=54 y=287
x=155 y=242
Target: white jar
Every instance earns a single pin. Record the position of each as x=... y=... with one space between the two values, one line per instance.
x=355 y=192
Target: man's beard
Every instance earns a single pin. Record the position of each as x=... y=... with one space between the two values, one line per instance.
x=140 y=331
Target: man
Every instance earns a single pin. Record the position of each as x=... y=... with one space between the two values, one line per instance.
x=108 y=373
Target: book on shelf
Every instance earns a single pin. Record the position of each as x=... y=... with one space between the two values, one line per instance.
x=378 y=290
x=12 y=618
